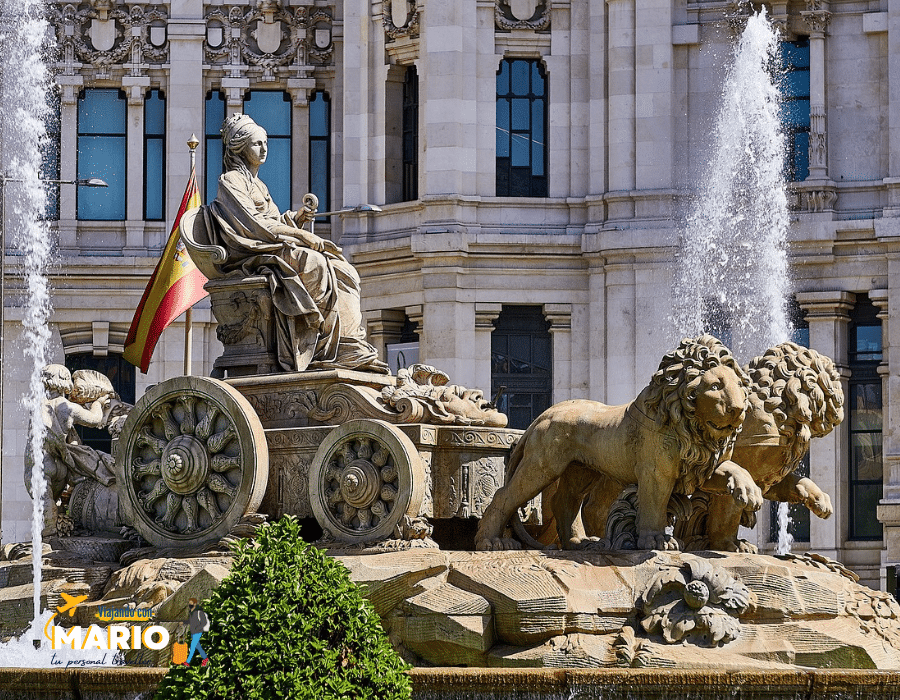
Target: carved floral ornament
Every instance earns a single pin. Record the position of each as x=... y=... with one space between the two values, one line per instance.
x=103 y=33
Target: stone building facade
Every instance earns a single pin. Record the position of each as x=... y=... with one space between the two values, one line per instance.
x=532 y=159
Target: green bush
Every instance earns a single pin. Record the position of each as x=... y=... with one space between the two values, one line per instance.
x=289 y=623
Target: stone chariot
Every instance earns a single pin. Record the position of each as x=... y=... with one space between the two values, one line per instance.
x=371 y=457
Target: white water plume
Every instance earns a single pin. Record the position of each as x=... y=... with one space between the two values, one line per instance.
x=24 y=88
x=732 y=274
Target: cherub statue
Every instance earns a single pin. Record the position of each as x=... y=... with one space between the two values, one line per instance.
x=86 y=399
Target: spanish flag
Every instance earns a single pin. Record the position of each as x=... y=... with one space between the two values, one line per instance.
x=175 y=286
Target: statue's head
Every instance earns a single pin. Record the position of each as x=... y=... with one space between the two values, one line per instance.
x=238 y=132
x=56 y=378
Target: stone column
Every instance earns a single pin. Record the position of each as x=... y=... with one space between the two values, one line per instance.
x=485 y=315
x=653 y=80
x=134 y=87
x=619 y=331
x=560 y=317
x=621 y=123
x=816 y=20
x=70 y=86
x=299 y=88
x=357 y=115
x=184 y=101
x=828 y=315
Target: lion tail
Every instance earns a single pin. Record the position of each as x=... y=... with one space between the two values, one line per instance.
x=515 y=458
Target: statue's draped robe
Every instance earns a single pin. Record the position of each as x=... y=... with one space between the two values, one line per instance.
x=316 y=295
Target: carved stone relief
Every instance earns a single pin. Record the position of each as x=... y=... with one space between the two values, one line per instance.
x=522 y=14
x=400 y=19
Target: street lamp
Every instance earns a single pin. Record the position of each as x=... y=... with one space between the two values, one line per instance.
x=86 y=182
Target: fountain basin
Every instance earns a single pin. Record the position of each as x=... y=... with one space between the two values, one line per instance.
x=521 y=684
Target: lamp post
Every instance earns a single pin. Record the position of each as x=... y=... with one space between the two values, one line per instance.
x=87 y=182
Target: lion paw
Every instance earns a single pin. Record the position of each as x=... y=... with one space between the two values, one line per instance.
x=589 y=544
x=733 y=544
x=820 y=505
x=497 y=544
x=658 y=540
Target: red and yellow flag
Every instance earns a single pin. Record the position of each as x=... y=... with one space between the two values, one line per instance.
x=175 y=286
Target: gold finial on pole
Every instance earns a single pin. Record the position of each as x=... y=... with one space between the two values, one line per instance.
x=192 y=144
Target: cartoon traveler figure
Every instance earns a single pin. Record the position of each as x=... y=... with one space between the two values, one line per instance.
x=199 y=623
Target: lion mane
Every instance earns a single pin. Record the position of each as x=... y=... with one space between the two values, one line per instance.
x=802 y=391
x=672 y=393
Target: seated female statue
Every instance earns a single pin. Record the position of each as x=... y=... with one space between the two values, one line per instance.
x=315 y=291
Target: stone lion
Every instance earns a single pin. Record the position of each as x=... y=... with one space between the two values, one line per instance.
x=676 y=435
x=795 y=395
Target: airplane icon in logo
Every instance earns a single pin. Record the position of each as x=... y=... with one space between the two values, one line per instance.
x=72 y=602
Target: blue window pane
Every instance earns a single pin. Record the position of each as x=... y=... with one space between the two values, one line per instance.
x=213 y=167
x=271 y=111
x=520 y=113
x=103 y=157
x=795 y=113
x=215 y=112
x=318 y=166
x=865 y=524
x=537 y=138
x=502 y=129
x=796 y=84
x=276 y=172
x=868 y=341
x=520 y=77
x=801 y=156
x=155 y=114
x=318 y=115
x=153 y=180
x=537 y=81
x=795 y=54
x=101 y=112
x=520 y=151
x=503 y=78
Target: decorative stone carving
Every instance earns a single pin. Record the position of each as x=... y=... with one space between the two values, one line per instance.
x=818 y=148
x=423 y=395
x=816 y=20
x=84 y=398
x=365 y=477
x=695 y=601
x=105 y=34
x=819 y=200
x=508 y=15
x=269 y=36
x=795 y=396
x=400 y=18
x=672 y=438
x=193 y=461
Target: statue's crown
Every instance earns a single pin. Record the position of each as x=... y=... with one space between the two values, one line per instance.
x=234 y=124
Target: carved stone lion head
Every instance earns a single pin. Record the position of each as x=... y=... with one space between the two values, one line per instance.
x=701 y=392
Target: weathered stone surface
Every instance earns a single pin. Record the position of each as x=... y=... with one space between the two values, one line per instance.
x=529 y=604
x=392 y=578
x=204 y=582
x=446 y=626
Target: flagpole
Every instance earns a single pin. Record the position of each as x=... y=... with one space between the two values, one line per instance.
x=192 y=143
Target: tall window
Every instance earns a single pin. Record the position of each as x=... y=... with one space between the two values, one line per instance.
x=154 y=156
x=411 y=135
x=215 y=115
x=101 y=153
x=272 y=111
x=120 y=373
x=521 y=128
x=521 y=361
x=865 y=417
x=795 y=109
x=320 y=148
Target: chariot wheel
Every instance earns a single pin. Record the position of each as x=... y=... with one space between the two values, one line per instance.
x=191 y=461
x=365 y=477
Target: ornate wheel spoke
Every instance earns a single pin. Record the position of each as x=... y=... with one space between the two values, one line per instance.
x=189 y=466
x=365 y=477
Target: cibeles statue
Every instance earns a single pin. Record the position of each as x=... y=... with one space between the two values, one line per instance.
x=314 y=321
x=84 y=398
